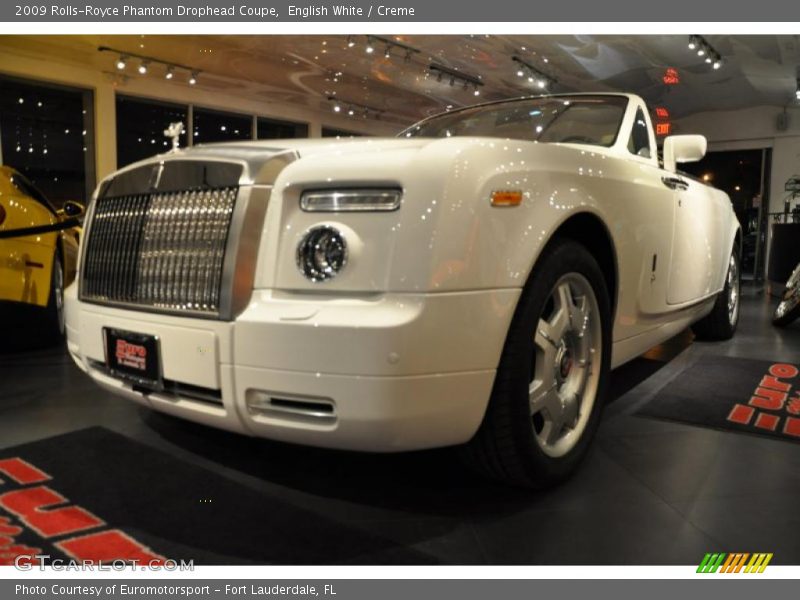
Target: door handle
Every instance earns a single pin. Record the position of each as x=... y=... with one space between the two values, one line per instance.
x=675 y=183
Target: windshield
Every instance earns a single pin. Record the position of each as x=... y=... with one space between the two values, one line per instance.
x=591 y=120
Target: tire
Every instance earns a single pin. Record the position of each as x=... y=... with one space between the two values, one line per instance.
x=53 y=323
x=549 y=389
x=721 y=322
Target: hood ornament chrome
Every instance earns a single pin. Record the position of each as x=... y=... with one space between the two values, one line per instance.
x=174 y=132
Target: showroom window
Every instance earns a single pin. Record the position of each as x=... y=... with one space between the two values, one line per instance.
x=47 y=134
x=331 y=132
x=217 y=126
x=639 y=142
x=273 y=129
x=140 y=127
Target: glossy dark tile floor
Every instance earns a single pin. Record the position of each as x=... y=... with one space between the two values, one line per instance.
x=650 y=492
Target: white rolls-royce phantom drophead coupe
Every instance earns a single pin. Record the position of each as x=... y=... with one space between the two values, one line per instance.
x=469 y=283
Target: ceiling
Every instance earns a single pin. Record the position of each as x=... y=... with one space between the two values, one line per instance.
x=306 y=70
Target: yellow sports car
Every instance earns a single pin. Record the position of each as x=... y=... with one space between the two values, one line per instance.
x=38 y=250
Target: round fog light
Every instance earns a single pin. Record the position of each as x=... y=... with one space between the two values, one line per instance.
x=322 y=253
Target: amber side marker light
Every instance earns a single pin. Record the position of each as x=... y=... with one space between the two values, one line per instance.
x=506 y=198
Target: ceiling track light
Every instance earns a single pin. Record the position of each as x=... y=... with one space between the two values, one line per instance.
x=700 y=46
x=455 y=76
x=353 y=108
x=540 y=79
x=145 y=62
x=389 y=46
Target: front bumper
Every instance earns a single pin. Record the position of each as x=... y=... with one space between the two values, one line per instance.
x=381 y=373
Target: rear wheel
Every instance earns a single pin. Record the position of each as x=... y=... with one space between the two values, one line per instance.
x=549 y=388
x=721 y=322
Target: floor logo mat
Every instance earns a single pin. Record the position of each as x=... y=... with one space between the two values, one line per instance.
x=739 y=394
x=36 y=510
x=97 y=495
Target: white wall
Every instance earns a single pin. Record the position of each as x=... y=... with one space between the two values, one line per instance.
x=23 y=61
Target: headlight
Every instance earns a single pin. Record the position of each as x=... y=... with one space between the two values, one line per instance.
x=322 y=253
x=363 y=200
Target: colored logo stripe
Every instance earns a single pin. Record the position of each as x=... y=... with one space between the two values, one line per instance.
x=758 y=563
x=711 y=563
x=734 y=562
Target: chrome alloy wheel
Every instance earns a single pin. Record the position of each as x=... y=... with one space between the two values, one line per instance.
x=733 y=291
x=567 y=357
x=787 y=305
x=791 y=296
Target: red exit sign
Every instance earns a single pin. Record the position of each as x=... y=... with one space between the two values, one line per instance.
x=663 y=128
x=671 y=76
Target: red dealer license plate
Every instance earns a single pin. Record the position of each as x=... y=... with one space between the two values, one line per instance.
x=133 y=357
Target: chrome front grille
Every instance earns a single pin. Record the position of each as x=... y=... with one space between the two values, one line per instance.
x=161 y=250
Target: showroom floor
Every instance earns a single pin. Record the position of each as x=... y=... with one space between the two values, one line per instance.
x=650 y=492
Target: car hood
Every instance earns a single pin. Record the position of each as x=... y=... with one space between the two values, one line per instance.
x=309 y=146
x=264 y=160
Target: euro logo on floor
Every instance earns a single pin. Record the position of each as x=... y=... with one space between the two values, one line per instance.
x=41 y=520
x=735 y=394
x=775 y=405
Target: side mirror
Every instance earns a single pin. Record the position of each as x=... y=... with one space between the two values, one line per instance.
x=683 y=149
x=72 y=209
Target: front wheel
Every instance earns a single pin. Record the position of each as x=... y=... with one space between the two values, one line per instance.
x=549 y=388
x=721 y=322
